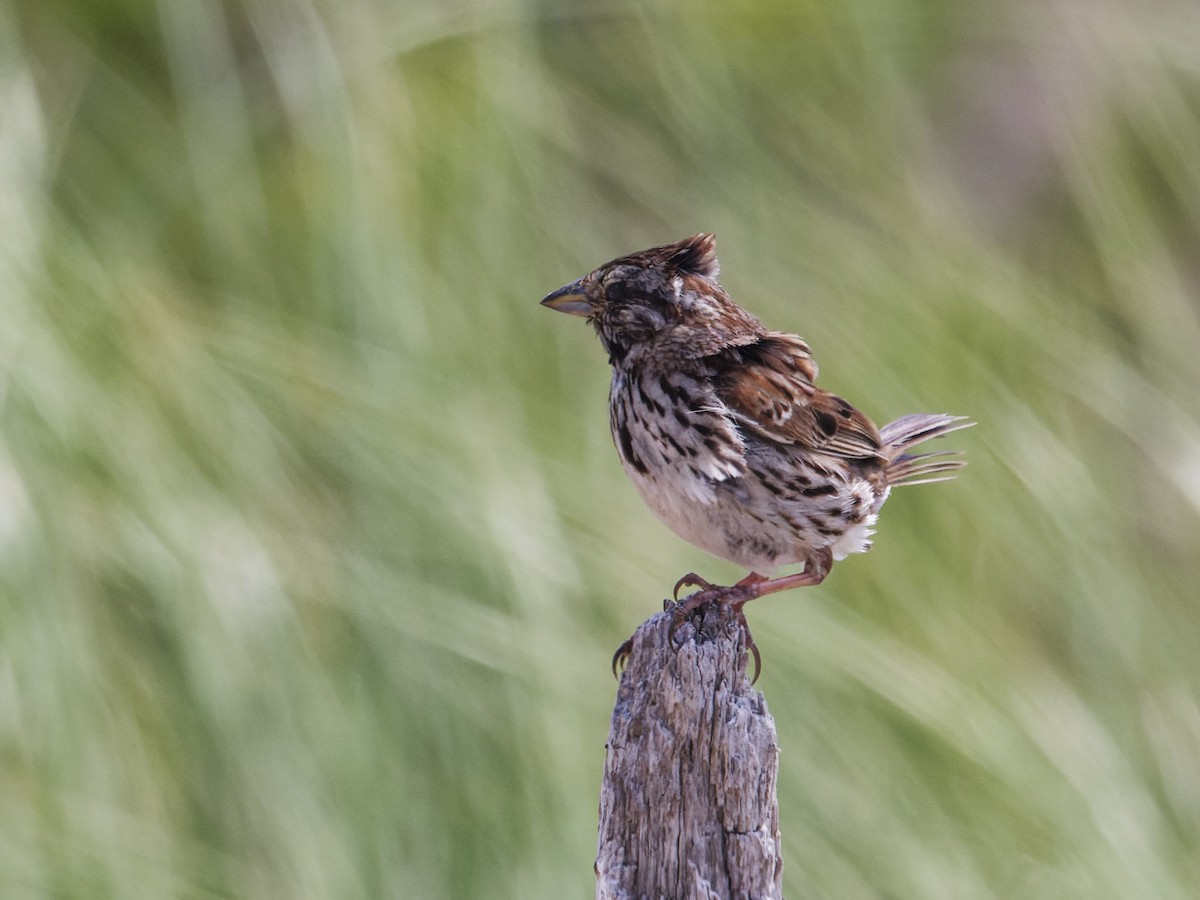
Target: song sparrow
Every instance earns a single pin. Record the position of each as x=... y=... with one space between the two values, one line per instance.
x=720 y=426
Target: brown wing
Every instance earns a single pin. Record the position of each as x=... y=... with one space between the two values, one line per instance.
x=768 y=386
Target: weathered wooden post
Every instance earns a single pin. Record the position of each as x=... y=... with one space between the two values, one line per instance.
x=687 y=805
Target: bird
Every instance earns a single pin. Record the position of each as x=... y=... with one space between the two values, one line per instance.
x=720 y=425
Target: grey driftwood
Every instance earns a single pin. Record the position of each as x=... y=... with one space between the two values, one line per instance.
x=687 y=805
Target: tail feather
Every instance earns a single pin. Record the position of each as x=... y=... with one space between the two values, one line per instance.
x=921 y=468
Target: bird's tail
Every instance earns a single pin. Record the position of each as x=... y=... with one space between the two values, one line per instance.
x=921 y=468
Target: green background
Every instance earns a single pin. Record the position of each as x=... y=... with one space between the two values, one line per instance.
x=313 y=544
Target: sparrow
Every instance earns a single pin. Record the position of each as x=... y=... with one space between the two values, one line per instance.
x=722 y=429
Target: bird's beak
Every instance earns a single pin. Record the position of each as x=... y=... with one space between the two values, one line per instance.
x=570 y=299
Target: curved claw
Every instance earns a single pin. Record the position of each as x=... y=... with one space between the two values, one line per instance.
x=621 y=657
x=753 y=650
x=751 y=647
x=691 y=579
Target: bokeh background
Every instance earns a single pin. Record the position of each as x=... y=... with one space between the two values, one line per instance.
x=313 y=544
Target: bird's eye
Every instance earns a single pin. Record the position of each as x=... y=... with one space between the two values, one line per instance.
x=616 y=292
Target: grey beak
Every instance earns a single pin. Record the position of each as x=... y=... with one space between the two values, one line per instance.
x=570 y=299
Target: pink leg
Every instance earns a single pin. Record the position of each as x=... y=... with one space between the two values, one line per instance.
x=752 y=578
x=754 y=585
x=750 y=588
x=735 y=597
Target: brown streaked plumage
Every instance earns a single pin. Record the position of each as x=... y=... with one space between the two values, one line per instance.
x=723 y=431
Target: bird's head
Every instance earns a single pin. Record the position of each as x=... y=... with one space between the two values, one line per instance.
x=661 y=302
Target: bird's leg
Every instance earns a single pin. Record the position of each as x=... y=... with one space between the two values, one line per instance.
x=735 y=597
x=754 y=586
x=710 y=593
x=752 y=578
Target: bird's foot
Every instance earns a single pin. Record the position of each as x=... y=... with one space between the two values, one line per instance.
x=691 y=579
x=711 y=607
x=714 y=605
x=728 y=601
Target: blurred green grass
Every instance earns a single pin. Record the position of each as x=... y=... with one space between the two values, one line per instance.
x=314 y=546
